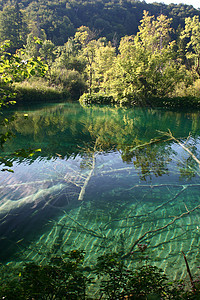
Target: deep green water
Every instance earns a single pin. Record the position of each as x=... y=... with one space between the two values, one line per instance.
x=100 y=183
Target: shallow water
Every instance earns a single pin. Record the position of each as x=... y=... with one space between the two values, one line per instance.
x=105 y=178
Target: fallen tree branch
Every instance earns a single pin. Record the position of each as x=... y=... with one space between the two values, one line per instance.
x=82 y=192
x=151 y=212
x=117 y=170
x=25 y=183
x=94 y=153
x=152 y=141
x=189 y=273
x=90 y=231
x=182 y=145
x=158 y=229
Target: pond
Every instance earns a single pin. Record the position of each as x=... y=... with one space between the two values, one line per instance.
x=106 y=179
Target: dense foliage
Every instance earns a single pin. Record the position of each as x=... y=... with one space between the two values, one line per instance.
x=91 y=57
x=67 y=277
x=113 y=19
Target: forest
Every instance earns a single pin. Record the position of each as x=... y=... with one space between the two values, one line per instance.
x=59 y=19
x=126 y=52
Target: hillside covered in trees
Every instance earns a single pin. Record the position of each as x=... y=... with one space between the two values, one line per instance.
x=112 y=19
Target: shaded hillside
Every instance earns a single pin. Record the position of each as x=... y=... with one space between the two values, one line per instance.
x=112 y=19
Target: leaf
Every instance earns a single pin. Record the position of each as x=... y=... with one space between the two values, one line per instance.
x=8 y=170
x=12 y=102
x=32 y=72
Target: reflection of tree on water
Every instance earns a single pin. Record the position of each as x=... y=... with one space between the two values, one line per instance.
x=65 y=129
x=150 y=160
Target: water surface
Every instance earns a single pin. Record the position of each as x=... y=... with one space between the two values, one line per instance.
x=104 y=178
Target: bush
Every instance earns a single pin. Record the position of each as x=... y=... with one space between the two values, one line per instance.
x=62 y=278
x=87 y=98
x=188 y=90
x=71 y=81
x=38 y=90
x=66 y=277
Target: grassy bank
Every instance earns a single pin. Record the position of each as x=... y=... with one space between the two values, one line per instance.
x=39 y=91
x=174 y=102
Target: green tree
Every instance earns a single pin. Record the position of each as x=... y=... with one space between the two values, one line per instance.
x=83 y=36
x=68 y=69
x=69 y=57
x=98 y=56
x=146 y=65
x=85 y=41
x=192 y=34
x=47 y=52
x=103 y=59
x=32 y=48
x=13 y=26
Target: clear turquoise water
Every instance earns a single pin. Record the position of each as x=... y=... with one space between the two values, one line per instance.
x=95 y=187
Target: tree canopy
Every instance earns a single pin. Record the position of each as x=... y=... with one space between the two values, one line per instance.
x=110 y=18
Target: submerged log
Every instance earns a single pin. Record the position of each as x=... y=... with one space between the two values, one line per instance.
x=169 y=133
x=82 y=192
